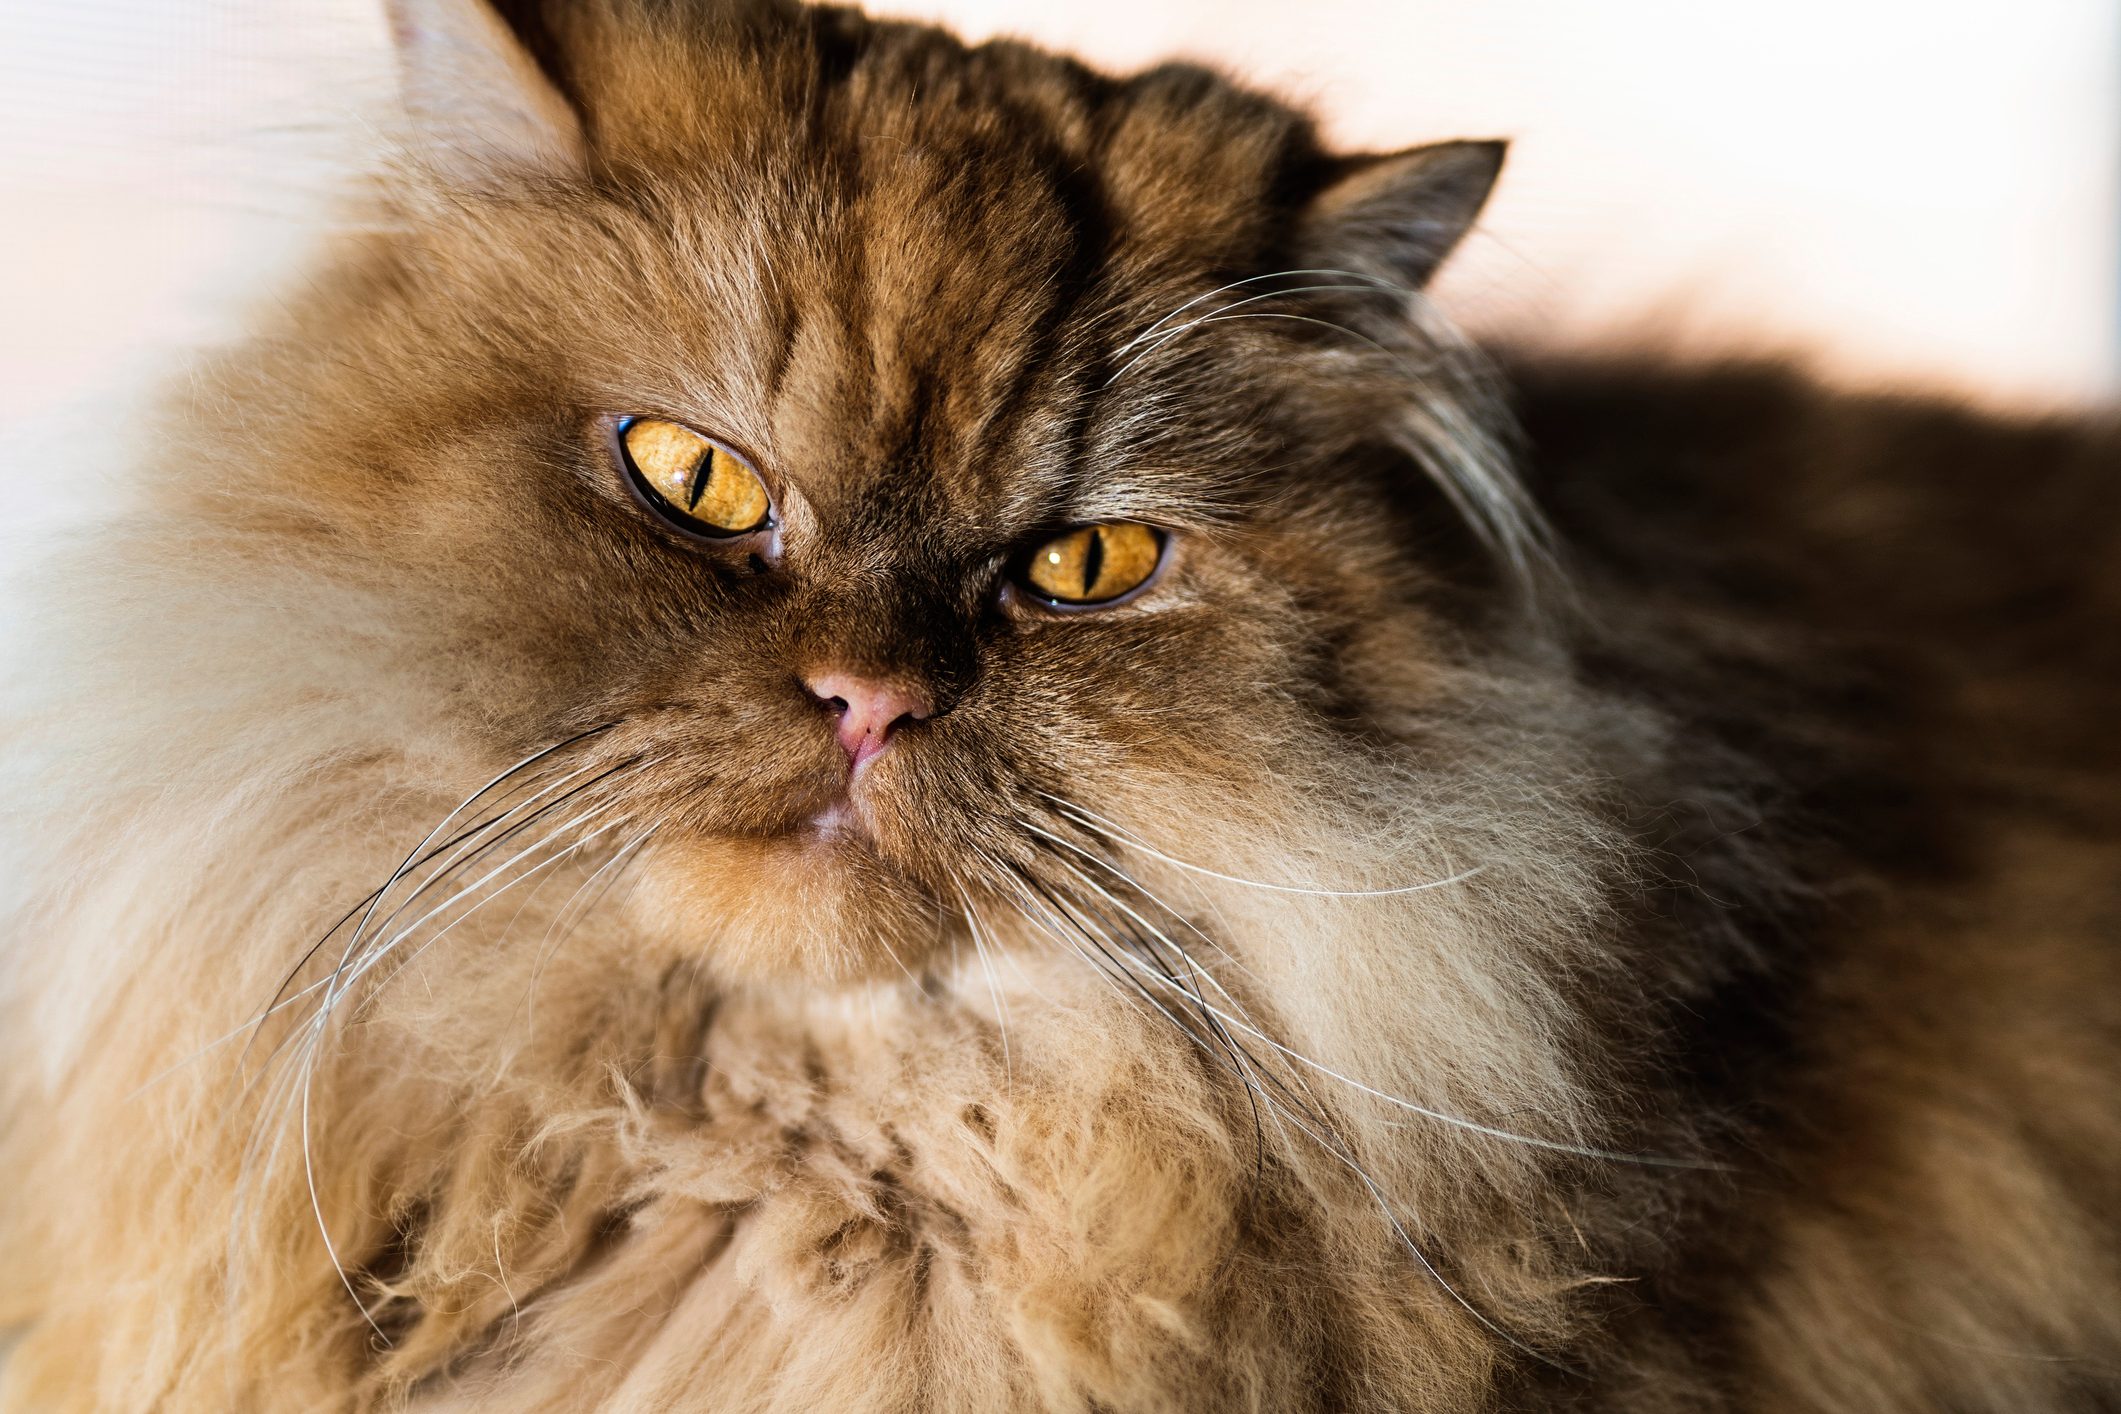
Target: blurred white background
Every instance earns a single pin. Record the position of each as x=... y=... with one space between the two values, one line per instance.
x=1905 y=191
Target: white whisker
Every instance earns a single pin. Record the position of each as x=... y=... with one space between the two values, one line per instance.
x=1243 y=1023
x=1462 y=453
x=365 y=952
x=1135 y=884
x=367 y=964
x=554 y=933
x=1120 y=835
x=1334 y=1147
x=994 y=991
x=379 y=954
x=1221 y=312
x=376 y=900
x=1373 y=280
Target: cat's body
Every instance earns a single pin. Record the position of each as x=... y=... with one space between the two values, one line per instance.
x=1880 y=597
x=1379 y=962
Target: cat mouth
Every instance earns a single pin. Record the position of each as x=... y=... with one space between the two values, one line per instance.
x=839 y=820
x=845 y=816
x=843 y=813
x=816 y=814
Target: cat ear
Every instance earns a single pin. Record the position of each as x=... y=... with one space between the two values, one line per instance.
x=1399 y=215
x=478 y=100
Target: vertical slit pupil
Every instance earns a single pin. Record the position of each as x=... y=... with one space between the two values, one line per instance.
x=1093 y=560
x=701 y=475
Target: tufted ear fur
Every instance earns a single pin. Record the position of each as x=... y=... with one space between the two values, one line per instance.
x=1397 y=216
x=478 y=100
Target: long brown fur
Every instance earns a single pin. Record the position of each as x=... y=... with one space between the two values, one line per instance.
x=1590 y=888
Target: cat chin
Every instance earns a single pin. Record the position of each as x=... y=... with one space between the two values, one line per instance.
x=816 y=905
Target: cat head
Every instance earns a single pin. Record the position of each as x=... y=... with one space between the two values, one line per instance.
x=879 y=460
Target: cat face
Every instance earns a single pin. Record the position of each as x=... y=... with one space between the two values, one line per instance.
x=959 y=337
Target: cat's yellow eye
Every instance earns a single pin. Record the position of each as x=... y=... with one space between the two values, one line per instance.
x=698 y=483
x=1094 y=564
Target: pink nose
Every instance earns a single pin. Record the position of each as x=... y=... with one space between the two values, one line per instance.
x=869 y=711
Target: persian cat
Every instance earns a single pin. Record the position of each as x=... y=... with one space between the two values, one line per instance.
x=840 y=722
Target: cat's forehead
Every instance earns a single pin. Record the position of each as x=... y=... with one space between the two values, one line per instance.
x=922 y=278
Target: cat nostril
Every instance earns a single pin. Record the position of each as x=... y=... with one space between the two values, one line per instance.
x=869 y=710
